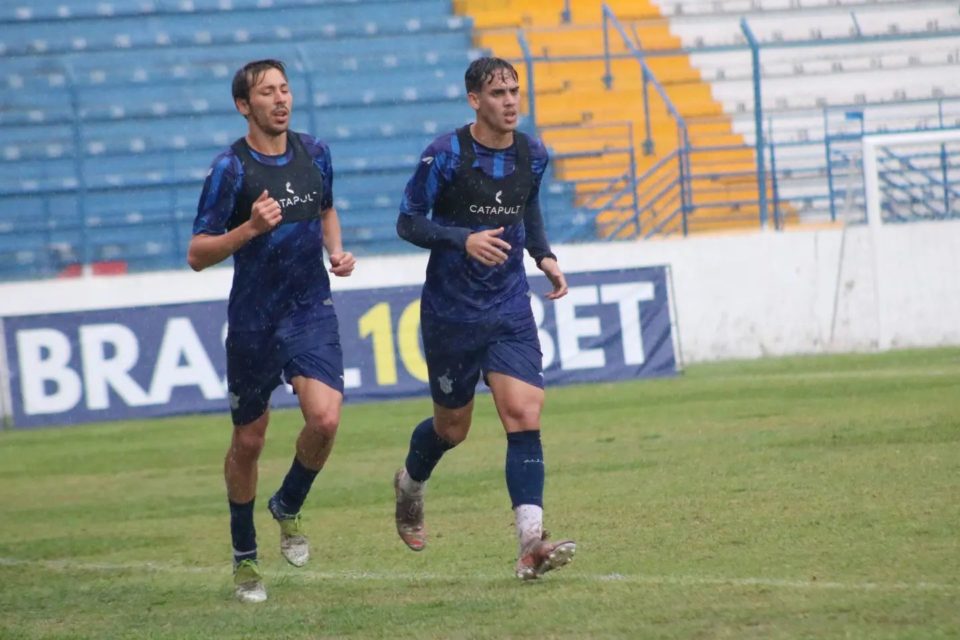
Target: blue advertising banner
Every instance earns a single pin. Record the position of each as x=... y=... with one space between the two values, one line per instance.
x=71 y=368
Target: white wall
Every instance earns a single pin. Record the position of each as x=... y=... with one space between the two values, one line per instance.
x=737 y=296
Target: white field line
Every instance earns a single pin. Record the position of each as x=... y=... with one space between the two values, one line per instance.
x=69 y=566
x=906 y=372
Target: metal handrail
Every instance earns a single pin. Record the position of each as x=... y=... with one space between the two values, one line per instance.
x=757 y=119
x=646 y=75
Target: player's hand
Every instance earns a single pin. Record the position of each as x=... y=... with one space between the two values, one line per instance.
x=487 y=247
x=265 y=213
x=342 y=264
x=551 y=269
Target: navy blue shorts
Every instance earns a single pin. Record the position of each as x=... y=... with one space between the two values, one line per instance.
x=457 y=352
x=257 y=359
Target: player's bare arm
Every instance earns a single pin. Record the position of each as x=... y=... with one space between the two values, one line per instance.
x=342 y=262
x=552 y=270
x=206 y=250
x=487 y=247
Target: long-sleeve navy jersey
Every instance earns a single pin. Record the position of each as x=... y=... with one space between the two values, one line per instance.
x=457 y=286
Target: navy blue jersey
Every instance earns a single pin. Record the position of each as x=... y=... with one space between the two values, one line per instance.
x=279 y=274
x=457 y=286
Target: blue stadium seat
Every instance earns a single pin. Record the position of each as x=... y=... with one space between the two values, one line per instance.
x=58 y=11
x=133 y=33
x=160 y=65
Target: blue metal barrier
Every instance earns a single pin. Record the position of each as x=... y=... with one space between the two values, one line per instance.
x=530 y=92
x=929 y=170
x=758 y=119
x=609 y=18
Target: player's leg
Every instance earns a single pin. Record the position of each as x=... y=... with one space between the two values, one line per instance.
x=240 y=473
x=316 y=376
x=430 y=439
x=513 y=373
x=250 y=385
x=453 y=369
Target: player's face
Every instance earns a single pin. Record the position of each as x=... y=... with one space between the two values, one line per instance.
x=268 y=108
x=498 y=103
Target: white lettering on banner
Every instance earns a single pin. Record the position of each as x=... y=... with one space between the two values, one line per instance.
x=101 y=373
x=181 y=343
x=570 y=329
x=628 y=297
x=44 y=355
x=546 y=340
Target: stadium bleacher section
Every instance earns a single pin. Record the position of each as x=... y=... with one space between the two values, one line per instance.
x=815 y=55
x=114 y=111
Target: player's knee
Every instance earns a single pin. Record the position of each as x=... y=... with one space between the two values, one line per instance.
x=247 y=444
x=324 y=423
x=521 y=416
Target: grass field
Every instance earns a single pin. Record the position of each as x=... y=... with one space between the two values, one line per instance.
x=790 y=498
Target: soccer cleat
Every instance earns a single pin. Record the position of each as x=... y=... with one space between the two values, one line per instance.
x=294 y=545
x=248 y=582
x=409 y=516
x=539 y=556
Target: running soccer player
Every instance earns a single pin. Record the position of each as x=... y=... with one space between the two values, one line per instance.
x=268 y=202
x=481 y=183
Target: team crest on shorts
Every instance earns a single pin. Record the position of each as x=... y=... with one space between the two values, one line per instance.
x=446 y=384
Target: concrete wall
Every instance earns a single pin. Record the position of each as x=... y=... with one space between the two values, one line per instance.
x=737 y=296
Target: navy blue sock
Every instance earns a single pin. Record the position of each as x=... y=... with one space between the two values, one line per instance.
x=524 y=468
x=296 y=485
x=242 y=531
x=426 y=449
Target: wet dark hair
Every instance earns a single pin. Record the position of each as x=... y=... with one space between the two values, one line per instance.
x=482 y=70
x=248 y=76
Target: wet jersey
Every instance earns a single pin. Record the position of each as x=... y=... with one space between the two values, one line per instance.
x=281 y=274
x=467 y=187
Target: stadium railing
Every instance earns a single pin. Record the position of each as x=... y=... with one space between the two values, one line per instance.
x=783 y=128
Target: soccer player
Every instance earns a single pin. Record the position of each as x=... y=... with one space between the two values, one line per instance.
x=268 y=202
x=481 y=183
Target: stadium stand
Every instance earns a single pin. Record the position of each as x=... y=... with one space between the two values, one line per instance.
x=114 y=111
x=814 y=55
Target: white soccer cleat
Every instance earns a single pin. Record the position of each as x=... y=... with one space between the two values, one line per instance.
x=294 y=546
x=248 y=582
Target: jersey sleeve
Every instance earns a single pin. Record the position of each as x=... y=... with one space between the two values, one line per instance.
x=435 y=169
x=431 y=174
x=536 y=242
x=219 y=195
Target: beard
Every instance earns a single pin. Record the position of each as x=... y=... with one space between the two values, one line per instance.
x=264 y=123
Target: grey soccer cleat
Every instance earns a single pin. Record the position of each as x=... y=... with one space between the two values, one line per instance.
x=409 y=515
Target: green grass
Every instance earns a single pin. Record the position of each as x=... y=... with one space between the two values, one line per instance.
x=789 y=498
